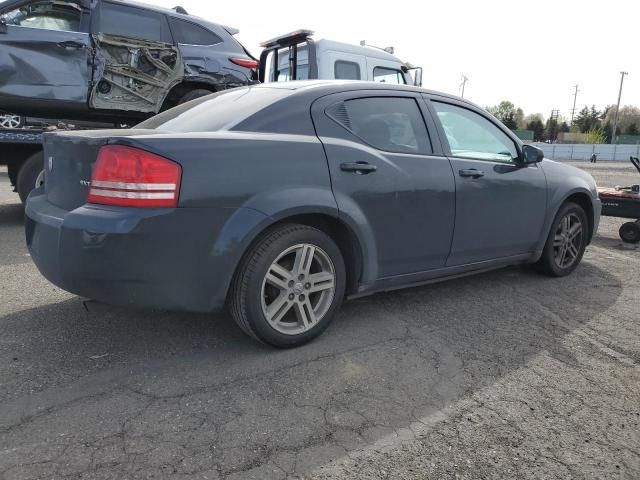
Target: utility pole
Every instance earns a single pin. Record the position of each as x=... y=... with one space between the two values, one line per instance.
x=553 y=125
x=463 y=84
x=615 y=121
x=575 y=97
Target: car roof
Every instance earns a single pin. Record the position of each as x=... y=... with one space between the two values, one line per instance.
x=173 y=13
x=325 y=87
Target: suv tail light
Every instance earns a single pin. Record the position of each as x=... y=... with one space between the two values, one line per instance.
x=245 y=62
x=130 y=177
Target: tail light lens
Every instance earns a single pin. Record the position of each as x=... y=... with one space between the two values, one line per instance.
x=130 y=177
x=245 y=62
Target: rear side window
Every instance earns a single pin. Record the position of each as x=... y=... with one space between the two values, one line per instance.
x=219 y=111
x=388 y=75
x=64 y=16
x=192 y=34
x=133 y=22
x=347 y=70
x=388 y=123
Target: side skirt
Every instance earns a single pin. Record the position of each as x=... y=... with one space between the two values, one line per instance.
x=410 y=280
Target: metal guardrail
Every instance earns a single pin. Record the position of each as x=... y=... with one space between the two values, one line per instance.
x=564 y=151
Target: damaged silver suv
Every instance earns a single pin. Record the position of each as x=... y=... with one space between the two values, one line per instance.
x=109 y=59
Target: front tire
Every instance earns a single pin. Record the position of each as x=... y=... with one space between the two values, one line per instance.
x=29 y=175
x=288 y=286
x=566 y=242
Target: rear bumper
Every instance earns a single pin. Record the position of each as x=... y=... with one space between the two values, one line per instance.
x=159 y=258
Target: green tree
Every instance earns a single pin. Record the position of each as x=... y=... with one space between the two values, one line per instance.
x=508 y=114
x=632 y=129
x=537 y=127
x=588 y=119
x=628 y=116
x=564 y=127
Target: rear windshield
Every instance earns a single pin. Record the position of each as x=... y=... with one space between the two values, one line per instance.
x=219 y=111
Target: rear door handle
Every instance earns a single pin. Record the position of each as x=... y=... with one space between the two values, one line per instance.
x=471 y=173
x=358 y=167
x=71 y=44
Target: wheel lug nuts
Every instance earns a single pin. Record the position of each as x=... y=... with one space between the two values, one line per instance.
x=291 y=296
x=291 y=283
x=307 y=286
x=301 y=298
x=301 y=277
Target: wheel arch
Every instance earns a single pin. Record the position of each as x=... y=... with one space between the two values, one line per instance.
x=181 y=89
x=337 y=229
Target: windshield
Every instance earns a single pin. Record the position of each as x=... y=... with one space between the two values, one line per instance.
x=47 y=15
x=219 y=111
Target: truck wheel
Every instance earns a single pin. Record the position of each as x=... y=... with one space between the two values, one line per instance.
x=566 y=242
x=288 y=286
x=30 y=175
x=193 y=94
x=630 y=232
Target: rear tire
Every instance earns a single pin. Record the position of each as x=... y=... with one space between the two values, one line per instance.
x=193 y=94
x=288 y=286
x=630 y=232
x=28 y=175
x=566 y=242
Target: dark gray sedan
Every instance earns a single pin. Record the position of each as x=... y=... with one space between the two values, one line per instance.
x=281 y=200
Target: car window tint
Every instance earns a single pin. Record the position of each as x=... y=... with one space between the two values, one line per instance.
x=219 y=111
x=471 y=135
x=63 y=16
x=347 y=70
x=192 y=34
x=388 y=75
x=388 y=123
x=133 y=22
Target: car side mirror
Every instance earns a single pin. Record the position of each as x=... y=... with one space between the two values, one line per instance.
x=531 y=154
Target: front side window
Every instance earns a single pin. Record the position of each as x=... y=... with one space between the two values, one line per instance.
x=388 y=75
x=471 y=135
x=63 y=16
x=126 y=21
x=346 y=70
x=388 y=123
x=192 y=34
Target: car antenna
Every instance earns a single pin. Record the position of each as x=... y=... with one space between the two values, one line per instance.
x=180 y=9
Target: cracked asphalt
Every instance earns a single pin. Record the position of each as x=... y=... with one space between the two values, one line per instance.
x=507 y=374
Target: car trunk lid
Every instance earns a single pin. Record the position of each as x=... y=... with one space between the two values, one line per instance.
x=69 y=159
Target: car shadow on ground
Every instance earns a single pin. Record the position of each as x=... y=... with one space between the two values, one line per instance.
x=387 y=360
x=11 y=215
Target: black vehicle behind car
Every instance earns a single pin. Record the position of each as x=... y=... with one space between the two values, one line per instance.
x=111 y=59
x=102 y=61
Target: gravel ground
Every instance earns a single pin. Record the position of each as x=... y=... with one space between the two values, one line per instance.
x=503 y=375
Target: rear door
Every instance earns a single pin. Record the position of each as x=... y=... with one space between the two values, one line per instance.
x=500 y=202
x=386 y=176
x=45 y=56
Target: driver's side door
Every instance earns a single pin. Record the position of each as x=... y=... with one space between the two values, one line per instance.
x=45 y=57
x=500 y=202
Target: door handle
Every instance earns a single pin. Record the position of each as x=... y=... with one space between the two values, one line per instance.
x=471 y=173
x=70 y=44
x=361 y=168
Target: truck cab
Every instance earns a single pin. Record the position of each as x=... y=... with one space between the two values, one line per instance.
x=298 y=56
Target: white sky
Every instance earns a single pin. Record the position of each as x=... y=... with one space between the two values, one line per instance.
x=531 y=53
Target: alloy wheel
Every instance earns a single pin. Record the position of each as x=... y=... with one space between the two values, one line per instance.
x=298 y=289
x=10 y=121
x=567 y=243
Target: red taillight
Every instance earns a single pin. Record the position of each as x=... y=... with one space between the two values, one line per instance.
x=130 y=177
x=245 y=62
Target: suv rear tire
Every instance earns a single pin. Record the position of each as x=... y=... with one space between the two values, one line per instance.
x=193 y=94
x=288 y=286
x=29 y=174
x=566 y=242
